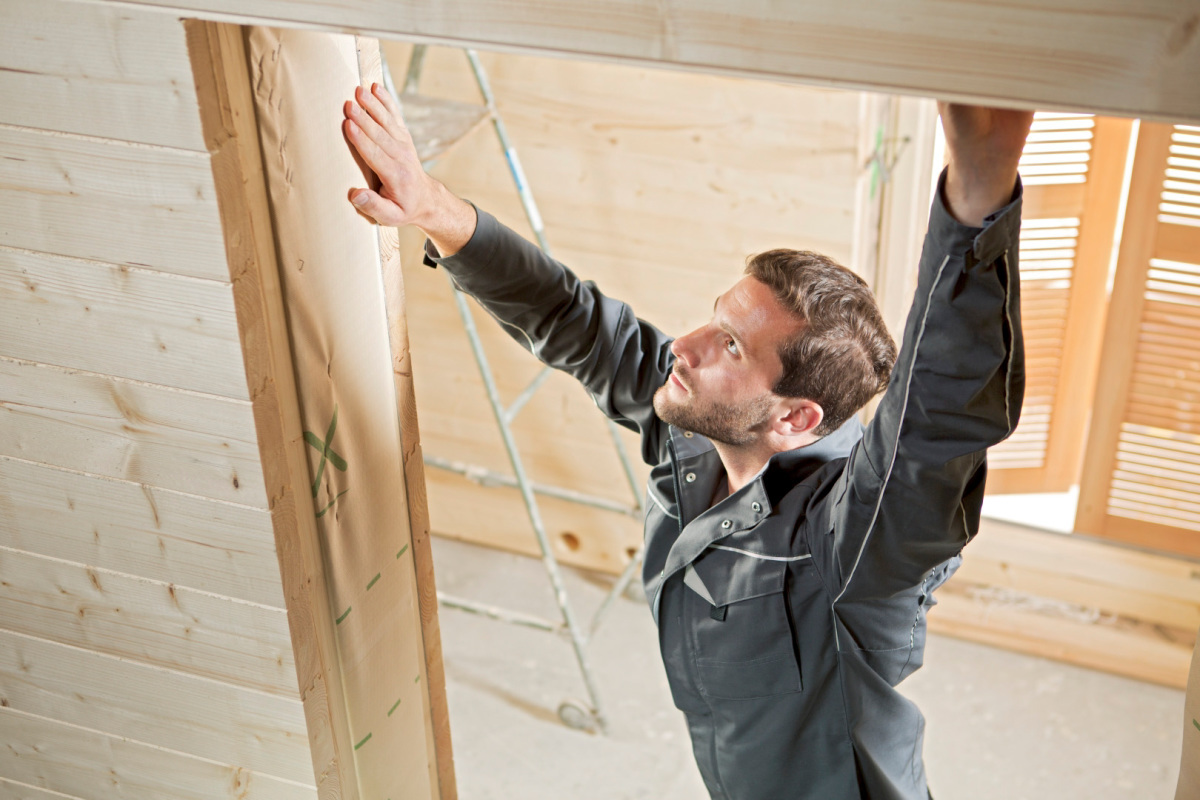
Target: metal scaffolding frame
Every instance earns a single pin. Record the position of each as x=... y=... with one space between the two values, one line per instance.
x=573 y=713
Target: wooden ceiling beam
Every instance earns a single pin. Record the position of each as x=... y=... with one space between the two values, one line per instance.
x=1135 y=58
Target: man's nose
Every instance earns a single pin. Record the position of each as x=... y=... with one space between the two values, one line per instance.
x=684 y=350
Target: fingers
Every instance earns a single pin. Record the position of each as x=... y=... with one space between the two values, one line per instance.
x=388 y=101
x=385 y=114
x=379 y=160
x=354 y=112
x=380 y=209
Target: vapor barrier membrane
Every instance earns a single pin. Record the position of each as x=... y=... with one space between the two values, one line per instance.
x=330 y=268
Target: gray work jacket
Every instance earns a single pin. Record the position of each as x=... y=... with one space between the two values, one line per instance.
x=789 y=610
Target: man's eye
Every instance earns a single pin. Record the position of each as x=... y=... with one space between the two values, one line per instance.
x=731 y=345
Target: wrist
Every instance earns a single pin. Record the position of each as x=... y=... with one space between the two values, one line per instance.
x=970 y=196
x=448 y=220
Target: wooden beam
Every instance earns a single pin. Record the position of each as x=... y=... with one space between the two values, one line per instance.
x=329 y=261
x=222 y=77
x=1124 y=647
x=1119 y=57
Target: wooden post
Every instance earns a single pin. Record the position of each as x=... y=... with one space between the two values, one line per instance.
x=330 y=267
x=336 y=427
x=227 y=113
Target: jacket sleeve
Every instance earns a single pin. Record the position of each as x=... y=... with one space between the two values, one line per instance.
x=567 y=323
x=911 y=492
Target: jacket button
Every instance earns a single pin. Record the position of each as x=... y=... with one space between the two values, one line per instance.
x=756 y=506
x=726 y=523
x=691 y=476
x=687 y=434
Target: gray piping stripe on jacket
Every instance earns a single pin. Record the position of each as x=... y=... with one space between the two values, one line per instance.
x=657 y=502
x=895 y=445
x=760 y=555
x=1007 y=372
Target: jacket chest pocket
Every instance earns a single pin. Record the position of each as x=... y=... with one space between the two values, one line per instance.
x=744 y=645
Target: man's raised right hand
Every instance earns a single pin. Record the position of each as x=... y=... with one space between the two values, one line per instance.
x=407 y=195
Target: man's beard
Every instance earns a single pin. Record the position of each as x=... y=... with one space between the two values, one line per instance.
x=731 y=424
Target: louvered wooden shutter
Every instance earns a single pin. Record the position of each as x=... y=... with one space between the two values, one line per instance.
x=1141 y=479
x=1072 y=169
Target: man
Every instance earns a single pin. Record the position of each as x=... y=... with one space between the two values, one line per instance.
x=790 y=553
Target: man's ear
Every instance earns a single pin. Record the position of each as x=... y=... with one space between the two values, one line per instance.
x=801 y=416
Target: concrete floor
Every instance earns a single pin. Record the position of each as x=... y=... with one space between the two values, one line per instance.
x=1001 y=726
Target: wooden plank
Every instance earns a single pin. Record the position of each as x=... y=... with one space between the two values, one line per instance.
x=199 y=444
x=583 y=462
x=1126 y=57
x=1097 y=574
x=418 y=510
x=1188 y=787
x=1178 y=243
x=116 y=320
x=581 y=536
x=157 y=623
x=141 y=530
x=77 y=761
x=14 y=790
x=1158 y=536
x=1124 y=317
x=1017 y=480
x=109 y=201
x=259 y=732
x=1053 y=201
x=1123 y=647
x=219 y=62
x=116 y=73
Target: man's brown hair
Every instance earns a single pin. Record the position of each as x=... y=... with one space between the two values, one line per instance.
x=843 y=356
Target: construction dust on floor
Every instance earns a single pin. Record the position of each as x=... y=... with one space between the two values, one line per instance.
x=999 y=725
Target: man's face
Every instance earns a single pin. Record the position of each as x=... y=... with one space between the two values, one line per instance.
x=724 y=371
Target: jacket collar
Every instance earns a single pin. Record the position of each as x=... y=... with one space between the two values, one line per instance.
x=697 y=455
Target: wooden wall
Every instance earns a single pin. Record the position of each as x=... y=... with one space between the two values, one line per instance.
x=144 y=642
x=657 y=185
